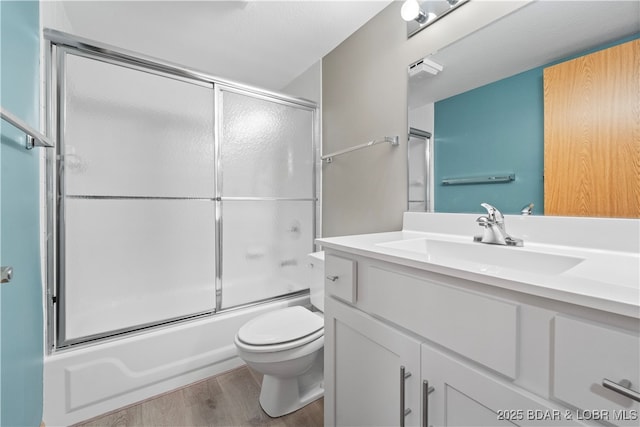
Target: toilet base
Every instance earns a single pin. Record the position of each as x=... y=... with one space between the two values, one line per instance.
x=287 y=402
x=281 y=396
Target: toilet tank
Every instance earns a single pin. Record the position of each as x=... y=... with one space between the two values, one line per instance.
x=316 y=279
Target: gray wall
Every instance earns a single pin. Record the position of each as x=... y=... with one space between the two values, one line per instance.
x=364 y=97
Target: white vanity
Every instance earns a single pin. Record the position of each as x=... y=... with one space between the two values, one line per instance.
x=426 y=327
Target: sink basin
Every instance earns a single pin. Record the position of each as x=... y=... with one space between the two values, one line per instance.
x=488 y=257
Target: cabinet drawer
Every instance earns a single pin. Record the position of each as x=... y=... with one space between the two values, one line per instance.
x=585 y=353
x=340 y=278
x=481 y=328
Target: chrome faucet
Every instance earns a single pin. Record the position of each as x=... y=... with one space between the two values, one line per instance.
x=494 y=229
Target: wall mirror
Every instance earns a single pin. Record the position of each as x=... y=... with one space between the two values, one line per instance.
x=504 y=153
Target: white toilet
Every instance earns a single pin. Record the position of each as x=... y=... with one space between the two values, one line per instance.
x=286 y=346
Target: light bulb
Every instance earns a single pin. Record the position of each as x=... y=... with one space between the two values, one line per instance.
x=410 y=10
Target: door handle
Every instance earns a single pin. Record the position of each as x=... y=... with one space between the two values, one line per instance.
x=623 y=387
x=6 y=274
x=403 y=412
x=426 y=391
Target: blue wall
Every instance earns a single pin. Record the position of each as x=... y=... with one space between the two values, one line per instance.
x=21 y=315
x=494 y=129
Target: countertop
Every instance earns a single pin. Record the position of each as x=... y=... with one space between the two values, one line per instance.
x=603 y=279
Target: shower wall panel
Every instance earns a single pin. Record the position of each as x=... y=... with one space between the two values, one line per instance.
x=138 y=192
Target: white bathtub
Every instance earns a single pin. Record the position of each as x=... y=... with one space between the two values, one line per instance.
x=83 y=383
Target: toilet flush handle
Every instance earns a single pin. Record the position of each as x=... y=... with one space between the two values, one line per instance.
x=332 y=278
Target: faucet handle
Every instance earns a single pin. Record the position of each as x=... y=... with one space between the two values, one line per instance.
x=494 y=214
x=483 y=221
x=527 y=209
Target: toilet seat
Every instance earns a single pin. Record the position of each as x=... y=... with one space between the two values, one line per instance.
x=280 y=330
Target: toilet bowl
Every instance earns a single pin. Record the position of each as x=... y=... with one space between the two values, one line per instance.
x=286 y=346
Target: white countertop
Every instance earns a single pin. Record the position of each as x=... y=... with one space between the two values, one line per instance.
x=604 y=279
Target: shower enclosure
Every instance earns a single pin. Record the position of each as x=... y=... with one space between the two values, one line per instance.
x=173 y=195
x=419 y=170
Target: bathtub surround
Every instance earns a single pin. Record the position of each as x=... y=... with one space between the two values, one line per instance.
x=21 y=319
x=83 y=383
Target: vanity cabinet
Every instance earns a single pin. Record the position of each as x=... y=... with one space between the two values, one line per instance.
x=586 y=354
x=493 y=357
x=467 y=395
x=366 y=367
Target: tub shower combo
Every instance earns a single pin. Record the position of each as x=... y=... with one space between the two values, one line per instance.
x=180 y=205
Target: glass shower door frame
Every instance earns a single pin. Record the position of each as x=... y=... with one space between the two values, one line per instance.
x=58 y=44
x=219 y=89
x=416 y=136
x=56 y=300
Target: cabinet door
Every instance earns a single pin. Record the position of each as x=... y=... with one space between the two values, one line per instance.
x=464 y=395
x=363 y=360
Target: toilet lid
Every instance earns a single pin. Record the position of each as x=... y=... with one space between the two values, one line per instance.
x=280 y=326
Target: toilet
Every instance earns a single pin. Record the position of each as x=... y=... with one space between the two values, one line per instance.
x=286 y=346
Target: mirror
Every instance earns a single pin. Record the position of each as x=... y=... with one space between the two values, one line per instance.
x=490 y=91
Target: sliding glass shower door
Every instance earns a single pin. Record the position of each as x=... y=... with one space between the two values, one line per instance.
x=267 y=192
x=136 y=189
x=172 y=196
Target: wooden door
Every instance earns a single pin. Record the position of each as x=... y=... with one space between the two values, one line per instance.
x=592 y=134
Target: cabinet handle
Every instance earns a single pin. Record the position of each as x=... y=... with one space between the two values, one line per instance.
x=426 y=391
x=622 y=387
x=332 y=278
x=403 y=412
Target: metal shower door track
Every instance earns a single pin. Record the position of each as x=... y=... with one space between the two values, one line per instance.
x=62 y=39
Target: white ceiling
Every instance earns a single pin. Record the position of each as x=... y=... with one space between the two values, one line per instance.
x=537 y=34
x=258 y=42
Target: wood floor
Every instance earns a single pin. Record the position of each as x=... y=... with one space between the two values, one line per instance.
x=230 y=399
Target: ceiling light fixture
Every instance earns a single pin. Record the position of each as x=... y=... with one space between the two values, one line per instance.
x=419 y=14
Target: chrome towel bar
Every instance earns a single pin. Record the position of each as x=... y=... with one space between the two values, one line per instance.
x=393 y=140
x=34 y=138
x=490 y=179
